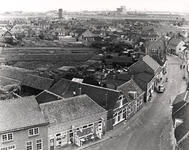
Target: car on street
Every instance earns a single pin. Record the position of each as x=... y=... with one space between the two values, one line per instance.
x=160 y=88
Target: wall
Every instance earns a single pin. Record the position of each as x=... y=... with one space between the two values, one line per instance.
x=21 y=137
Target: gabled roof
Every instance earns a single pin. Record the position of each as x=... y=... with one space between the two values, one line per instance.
x=151 y=62
x=37 y=82
x=47 y=96
x=144 y=76
x=103 y=96
x=130 y=86
x=20 y=113
x=70 y=109
x=119 y=59
x=181 y=111
x=118 y=78
x=160 y=61
x=174 y=41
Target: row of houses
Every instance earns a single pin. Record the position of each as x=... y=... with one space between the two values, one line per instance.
x=70 y=113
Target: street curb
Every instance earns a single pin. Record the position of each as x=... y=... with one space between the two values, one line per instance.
x=148 y=105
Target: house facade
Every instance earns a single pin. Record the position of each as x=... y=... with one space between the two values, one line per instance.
x=135 y=98
x=146 y=74
x=74 y=121
x=23 y=125
x=180 y=129
x=175 y=46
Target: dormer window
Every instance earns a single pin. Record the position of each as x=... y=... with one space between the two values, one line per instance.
x=120 y=101
x=154 y=50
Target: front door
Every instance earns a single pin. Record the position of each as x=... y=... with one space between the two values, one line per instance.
x=52 y=143
x=99 y=130
x=77 y=140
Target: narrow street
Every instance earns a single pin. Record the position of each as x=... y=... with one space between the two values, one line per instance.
x=145 y=133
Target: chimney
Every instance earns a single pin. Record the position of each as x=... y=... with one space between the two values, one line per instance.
x=79 y=90
x=115 y=86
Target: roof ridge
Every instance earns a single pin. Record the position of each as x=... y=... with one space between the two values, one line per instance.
x=39 y=76
x=64 y=99
x=99 y=87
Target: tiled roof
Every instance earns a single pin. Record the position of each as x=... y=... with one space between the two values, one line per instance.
x=103 y=96
x=37 y=82
x=14 y=73
x=144 y=76
x=130 y=86
x=20 y=113
x=119 y=59
x=150 y=62
x=183 y=128
x=70 y=109
x=159 y=60
x=60 y=87
x=179 y=101
x=174 y=41
x=47 y=96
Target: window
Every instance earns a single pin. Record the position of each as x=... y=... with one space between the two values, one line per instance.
x=12 y=147
x=39 y=144
x=154 y=50
x=29 y=145
x=7 y=137
x=33 y=131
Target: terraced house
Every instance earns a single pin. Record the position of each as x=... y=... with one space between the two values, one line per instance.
x=24 y=126
x=114 y=101
x=146 y=74
x=74 y=121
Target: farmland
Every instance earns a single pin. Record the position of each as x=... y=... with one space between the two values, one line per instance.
x=35 y=58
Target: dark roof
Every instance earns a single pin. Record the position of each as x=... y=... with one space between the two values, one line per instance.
x=130 y=86
x=70 y=109
x=19 y=113
x=47 y=96
x=179 y=101
x=183 y=128
x=161 y=61
x=14 y=73
x=144 y=76
x=118 y=59
x=37 y=82
x=67 y=88
x=181 y=111
x=174 y=41
x=118 y=78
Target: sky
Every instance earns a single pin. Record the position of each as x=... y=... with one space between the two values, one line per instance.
x=99 y=5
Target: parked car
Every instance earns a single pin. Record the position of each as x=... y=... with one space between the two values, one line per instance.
x=160 y=88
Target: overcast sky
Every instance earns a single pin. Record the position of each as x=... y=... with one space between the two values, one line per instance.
x=77 y=5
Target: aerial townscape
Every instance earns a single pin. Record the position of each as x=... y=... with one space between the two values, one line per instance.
x=94 y=80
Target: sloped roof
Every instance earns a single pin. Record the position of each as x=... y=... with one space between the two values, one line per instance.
x=47 y=96
x=103 y=96
x=19 y=113
x=144 y=76
x=130 y=86
x=119 y=59
x=37 y=82
x=183 y=128
x=150 y=62
x=174 y=41
x=158 y=60
x=179 y=101
x=70 y=109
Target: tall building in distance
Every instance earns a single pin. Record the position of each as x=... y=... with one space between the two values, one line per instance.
x=60 y=13
x=122 y=10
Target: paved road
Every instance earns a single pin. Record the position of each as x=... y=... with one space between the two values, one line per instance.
x=145 y=133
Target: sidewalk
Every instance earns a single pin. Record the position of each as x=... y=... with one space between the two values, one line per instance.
x=166 y=142
x=120 y=127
